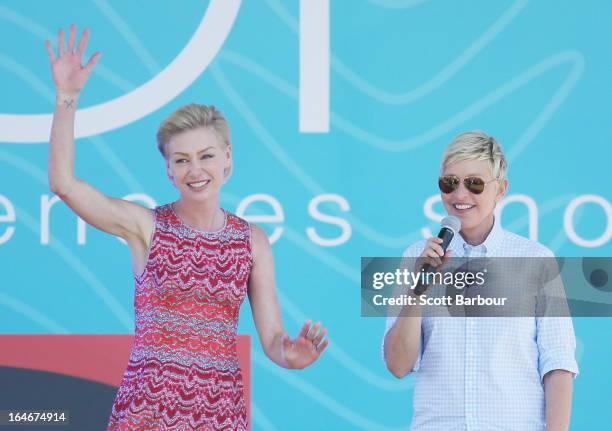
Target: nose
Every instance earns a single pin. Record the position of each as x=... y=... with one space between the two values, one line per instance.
x=196 y=165
x=461 y=191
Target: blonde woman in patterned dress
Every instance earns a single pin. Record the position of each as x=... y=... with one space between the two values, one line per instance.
x=193 y=263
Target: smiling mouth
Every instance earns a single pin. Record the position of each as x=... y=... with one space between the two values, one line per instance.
x=463 y=207
x=198 y=184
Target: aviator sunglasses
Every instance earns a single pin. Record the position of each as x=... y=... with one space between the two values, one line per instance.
x=450 y=183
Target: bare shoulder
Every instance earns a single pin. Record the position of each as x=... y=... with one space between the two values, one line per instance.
x=259 y=241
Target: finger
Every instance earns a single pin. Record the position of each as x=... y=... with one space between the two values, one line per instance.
x=433 y=258
x=60 y=42
x=71 y=38
x=323 y=346
x=433 y=261
x=433 y=241
x=92 y=61
x=317 y=340
x=438 y=249
x=305 y=328
x=82 y=43
x=312 y=333
x=50 y=51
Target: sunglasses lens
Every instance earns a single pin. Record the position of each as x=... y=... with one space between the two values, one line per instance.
x=448 y=184
x=474 y=184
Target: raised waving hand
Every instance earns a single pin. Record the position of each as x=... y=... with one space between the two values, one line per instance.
x=69 y=74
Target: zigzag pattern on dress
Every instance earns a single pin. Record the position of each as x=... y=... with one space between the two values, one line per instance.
x=183 y=373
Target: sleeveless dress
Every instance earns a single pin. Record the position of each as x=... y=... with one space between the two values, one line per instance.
x=183 y=372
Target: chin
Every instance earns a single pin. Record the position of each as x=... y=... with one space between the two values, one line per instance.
x=468 y=221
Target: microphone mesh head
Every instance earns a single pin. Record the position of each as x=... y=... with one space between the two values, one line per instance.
x=452 y=223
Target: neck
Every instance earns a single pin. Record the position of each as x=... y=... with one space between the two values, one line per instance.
x=477 y=235
x=205 y=215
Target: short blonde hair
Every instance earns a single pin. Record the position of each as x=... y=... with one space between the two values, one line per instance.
x=477 y=145
x=191 y=117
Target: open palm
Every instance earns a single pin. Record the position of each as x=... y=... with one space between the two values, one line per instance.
x=306 y=347
x=68 y=73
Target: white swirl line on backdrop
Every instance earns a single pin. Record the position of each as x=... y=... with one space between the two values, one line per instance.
x=115 y=162
x=259 y=418
x=554 y=61
x=26 y=76
x=124 y=30
x=427 y=87
x=186 y=67
x=32 y=314
x=321 y=397
x=64 y=252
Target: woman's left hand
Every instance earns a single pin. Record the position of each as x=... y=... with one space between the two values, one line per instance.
x=306 y=347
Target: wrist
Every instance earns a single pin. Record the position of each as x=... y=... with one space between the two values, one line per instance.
x=73 y=94
x=66 y=98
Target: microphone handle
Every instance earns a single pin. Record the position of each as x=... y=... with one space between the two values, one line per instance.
x=446 y=235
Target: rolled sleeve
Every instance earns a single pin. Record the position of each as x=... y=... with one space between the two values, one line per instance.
x=556 y=345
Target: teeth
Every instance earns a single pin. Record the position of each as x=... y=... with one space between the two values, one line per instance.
x=463 y=206
x=198 y=184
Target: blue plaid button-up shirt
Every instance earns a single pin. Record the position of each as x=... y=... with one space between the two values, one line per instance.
x=485 y=373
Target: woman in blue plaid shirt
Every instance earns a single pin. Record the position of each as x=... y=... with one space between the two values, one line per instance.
x=481 y=373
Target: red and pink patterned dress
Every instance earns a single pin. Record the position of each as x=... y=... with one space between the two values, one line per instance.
x=183 y=373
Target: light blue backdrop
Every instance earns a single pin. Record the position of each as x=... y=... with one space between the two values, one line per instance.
x=405 y=77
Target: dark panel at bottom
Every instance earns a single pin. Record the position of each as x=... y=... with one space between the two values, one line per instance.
x=89 y=403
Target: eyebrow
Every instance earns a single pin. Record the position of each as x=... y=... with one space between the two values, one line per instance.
x=468 y=175
x=178 y=153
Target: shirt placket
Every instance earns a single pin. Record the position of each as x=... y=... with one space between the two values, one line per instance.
x=471 y=359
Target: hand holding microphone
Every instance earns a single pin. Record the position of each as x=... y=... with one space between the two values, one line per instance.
x=434 y=256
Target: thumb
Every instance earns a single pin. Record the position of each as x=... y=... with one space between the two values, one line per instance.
x=92 y=61
x=286 y=341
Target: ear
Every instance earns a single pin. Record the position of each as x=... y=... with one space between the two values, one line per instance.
x=227 y=170
x=502 y=188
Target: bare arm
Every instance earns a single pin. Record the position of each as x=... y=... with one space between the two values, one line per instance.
x=558 y=393
x=402 y=341
x=115 y=216
x=309 y=344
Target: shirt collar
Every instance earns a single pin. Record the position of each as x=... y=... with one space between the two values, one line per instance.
x=490 y=244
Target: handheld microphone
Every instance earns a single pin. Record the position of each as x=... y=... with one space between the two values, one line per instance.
x=450 y=226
